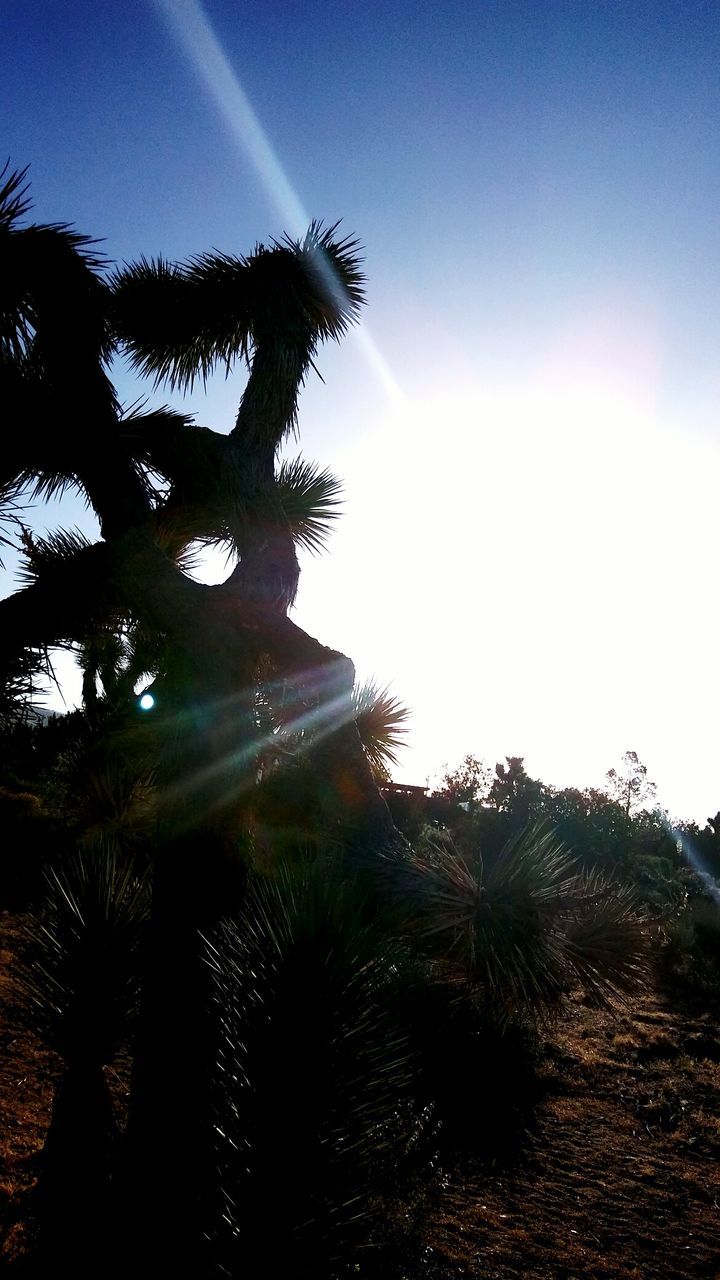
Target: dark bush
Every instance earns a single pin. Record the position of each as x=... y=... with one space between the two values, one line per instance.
x=689 y=960
x=315 y=1083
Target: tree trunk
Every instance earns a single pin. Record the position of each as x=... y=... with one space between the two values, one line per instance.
x=72 y=1190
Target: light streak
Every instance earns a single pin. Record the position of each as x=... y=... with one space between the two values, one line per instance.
x=686 y=848
x=206 y=55
x=316 y=716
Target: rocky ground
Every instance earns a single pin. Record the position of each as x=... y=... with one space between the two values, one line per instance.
x=618 y=1177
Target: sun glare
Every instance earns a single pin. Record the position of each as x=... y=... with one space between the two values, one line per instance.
x=520 y=562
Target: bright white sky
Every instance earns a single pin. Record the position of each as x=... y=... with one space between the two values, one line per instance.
x=531 y=565
x=528 y=430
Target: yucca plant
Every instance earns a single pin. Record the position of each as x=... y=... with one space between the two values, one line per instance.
x=105 y=785
x=381 y=720
x=78 y=984
x=522 y=928
x=496 y=945
x=478 y=1082
x=157 y=484
x=606 y=939
x=315 y=1083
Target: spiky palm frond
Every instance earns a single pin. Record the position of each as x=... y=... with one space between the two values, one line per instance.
x=220 y=515
x=381 y=720
x=605 y=942
x=494 y=925
x=331 y=284
x=42 y=555
x=37 y=457
x=103 y=655
x=14 y=200
x=310 y=499
x=79 y=979
x=21 y=674
x=46 y=484
x=147 y=651
x=169 y=325
x=109 y=796
x=523 y=927
x=178 y=321
x=227 y=501
x=162 y=439
x=314 y=1078
x=10 y=509
x=54 y=301
x=203 y=493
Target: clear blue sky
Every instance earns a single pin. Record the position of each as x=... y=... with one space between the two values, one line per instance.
x=537 y=187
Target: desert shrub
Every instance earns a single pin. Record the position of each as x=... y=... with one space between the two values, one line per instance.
x=315 y=1085
x=477 y=1072
x=79 y=979
x=78 y=985
x=689 y=959
x=523 y=927
x=496 y=942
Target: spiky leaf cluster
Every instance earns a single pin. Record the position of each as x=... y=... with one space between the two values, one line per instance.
x=178 y=321
x=313 y=1076
x=79 y=980
x=62 y=317
x=382 y=722
x=524 y=927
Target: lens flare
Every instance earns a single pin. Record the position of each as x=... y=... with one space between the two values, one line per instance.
x=310 y=708
x=687 y=850
x=203 y=50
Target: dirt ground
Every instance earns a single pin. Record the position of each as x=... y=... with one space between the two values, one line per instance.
x=27 y=1077
x=619 y=1179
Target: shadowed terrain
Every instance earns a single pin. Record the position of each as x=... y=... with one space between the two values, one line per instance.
x=618 y=1177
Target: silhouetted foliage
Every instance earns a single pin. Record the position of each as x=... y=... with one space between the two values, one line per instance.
x=315 y=1086
x=305 y=975
x=79 y=986
x=629 y=784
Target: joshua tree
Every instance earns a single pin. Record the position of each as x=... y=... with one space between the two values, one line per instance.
x=233 y=676
x=247 y=711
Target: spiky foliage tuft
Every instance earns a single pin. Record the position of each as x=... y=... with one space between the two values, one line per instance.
x=605 y=946
x=14 y=199
x=178 y=321
x=79 y=981
x=313 y=1080
x=21 y=675
x=331 y=282
x=521 y=928
x=381 y=721
x=161 y=439
x=53 y=300
x=310 y=499
x=10 y=509
x=42 y=555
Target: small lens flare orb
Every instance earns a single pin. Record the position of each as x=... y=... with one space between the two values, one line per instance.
x=146 y=702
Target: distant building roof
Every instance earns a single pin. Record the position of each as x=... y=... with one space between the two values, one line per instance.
x=403 y=789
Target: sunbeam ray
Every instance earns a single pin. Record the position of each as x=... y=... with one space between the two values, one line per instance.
x=319 y=719
x=194 y=34
x=687 y=849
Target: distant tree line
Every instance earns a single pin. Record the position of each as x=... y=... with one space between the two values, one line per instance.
x=617 y=828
